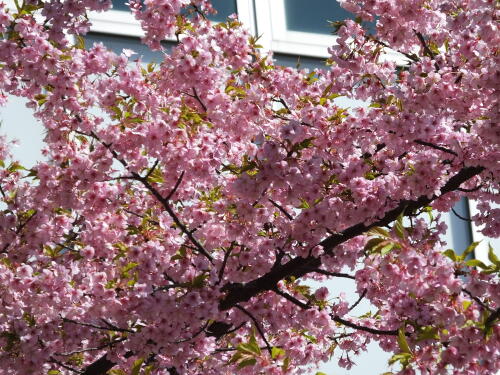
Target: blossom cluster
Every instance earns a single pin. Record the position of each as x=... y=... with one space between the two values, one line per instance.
x=183 y=206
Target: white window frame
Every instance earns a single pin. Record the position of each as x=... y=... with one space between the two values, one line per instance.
x=276 y=37
x=481 y=251
x=121 y=22
x=271 y=24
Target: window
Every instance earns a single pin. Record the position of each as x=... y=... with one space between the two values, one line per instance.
x=120 y=20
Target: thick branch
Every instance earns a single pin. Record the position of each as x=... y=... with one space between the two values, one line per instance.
x=298 y=267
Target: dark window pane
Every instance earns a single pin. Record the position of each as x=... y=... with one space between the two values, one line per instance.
x=224 y=8
x=312 y=16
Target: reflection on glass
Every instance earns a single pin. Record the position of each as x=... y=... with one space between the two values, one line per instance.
x=312 y=16
x=223 y=7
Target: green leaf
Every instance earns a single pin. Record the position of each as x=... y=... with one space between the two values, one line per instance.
x=469 y=249
x=247 y=362
x=403 y=344
x=378 y=232
x=466 y=304
x=450 y=254
x=492 y=256
x=399 y=229
x=136 y=368
x=156 y=176
x=286 y=364
x=476 y=263
x=303 y=204
x=199 y=281
x=428 y=332
x=404 y=358
x=53 y=372
x=320 y=373
x=80 y=42
x=372 y=243
x=116 y=371
x=277 y=352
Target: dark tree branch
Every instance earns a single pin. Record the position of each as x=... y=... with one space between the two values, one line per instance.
x=422 y=41
x=196 y=96
x=224 y=263
x=434 y=146
x=393 y=332
x=492 y=318
x=298 y=267
x=478 y=301
x=52 y=359
x=292 y=299
x=279 y=207
x=334 y=274
x=166 y=205
x=358 y=301
x=100 y=347
x=172 y=192
x=109 y=327
x=460 y=216
x=151 y=170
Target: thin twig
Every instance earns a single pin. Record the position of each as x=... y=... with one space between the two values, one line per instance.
x=358 y=301
x=151 y=170
x=434 y=146
x=194 y=335
x=292 y=299
x=478 y=301
x=52 y=359
x=334 y=274
x=257 y=325
x=224 y=263
x=460 y=216
x=176 y=186
x=100 y=347
x=109 y=328
x=174 y=217
x=393 y=332
x=279 y=207
x=195 y=95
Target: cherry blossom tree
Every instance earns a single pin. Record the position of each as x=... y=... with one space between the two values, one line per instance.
x=184 y=208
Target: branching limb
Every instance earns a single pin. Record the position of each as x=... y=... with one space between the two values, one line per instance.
x=196 y=96
x=166 y=205
x=257 y=325
x=224 y=263
x=478 y=301
x=292 y=299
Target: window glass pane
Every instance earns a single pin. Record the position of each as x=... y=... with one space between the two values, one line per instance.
x=224 y=8
x=312 y=16
x=302 y=62
x=460 y=227
x=118 y=43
